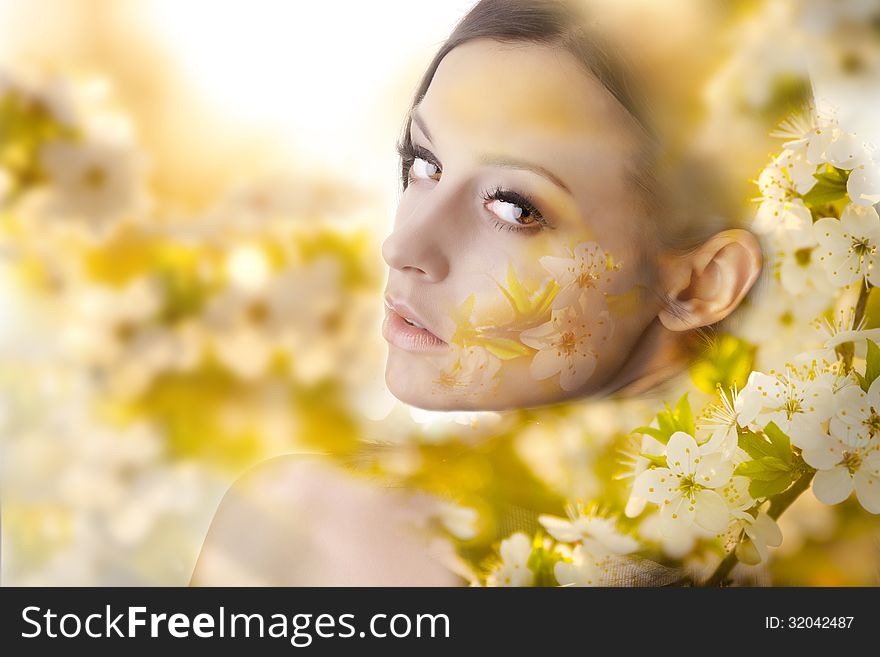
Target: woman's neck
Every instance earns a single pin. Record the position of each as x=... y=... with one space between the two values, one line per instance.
x=659 y=356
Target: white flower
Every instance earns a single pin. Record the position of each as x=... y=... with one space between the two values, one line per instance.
x=776 y=320
x=245 y=324
x=650 y=446
x=848 y=247
x=841 y=330
x=599 y=535
x=299 y=311
x=789 y=175
x=785 y=219
x=588 y=268
x=723 y=420
x=684 y=489
x=829 y=143
x=800 y=271
x=675 y=545
x=118 y=333
x=569 y=343
x=797 y=401
x=460 y=521
x=581 y=570
x=761 y=531
x=468 y=370
x=847 y=460
x=863 y=185
x=335 y=340
x=848 y=457
x=857 y=413
x=96 y=182
x=513 y=570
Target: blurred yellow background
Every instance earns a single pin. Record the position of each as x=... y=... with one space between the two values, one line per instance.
x=191 y=278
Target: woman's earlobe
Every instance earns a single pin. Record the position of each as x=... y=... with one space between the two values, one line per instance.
x=710 y=282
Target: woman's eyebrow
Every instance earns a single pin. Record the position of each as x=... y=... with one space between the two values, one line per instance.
x=497 y=160
x=513 y=163
x=419 y=121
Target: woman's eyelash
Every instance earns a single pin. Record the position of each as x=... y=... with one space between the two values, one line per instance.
x=521 y=200
x=408 y=152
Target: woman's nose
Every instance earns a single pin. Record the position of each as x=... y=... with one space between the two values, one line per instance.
x=412 y=246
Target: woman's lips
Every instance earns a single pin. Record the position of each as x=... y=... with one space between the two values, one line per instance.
x=401 y=334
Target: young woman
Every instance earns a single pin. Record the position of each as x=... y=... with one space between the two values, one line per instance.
x=544 y=249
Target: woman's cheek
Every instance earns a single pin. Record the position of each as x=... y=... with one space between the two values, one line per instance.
x=544 y=327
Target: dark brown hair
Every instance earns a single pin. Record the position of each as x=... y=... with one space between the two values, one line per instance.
x=676 y=189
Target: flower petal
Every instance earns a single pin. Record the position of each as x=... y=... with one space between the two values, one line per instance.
x=561 y=529
x=545 y=364
x=579 y=368
x=827 y=454
x=677 y=516
x=657 y=485
x=863 y=185
x=832 y=486
x=868 y=490
x=767 y=530
x=712 y=513
x=681 y=451
x=713 y=470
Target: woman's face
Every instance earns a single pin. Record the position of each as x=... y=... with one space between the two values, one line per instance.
x=517 y=239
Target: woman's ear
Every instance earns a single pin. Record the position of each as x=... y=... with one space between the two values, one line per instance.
x=707 y=284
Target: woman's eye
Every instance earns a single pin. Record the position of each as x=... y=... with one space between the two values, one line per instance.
x=511 y=213
x=423 y=169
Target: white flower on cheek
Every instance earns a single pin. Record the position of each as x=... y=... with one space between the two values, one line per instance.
x=684 y=489
x=468 y=370
x=568 y=343
x=848 y=247
x=589 y=268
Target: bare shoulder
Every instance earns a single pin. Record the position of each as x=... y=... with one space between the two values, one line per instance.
x=300 y=520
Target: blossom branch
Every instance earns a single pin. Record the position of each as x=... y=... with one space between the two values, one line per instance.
x=778 y=504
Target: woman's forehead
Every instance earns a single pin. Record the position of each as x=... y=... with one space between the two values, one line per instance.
x=487 y=91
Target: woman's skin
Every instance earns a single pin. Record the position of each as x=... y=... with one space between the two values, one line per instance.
x=573 y=145
x=525 y=103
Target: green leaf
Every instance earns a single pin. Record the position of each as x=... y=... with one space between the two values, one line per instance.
x=830 y=187
x=684 y=416
x=656 y=460
x=765 y=468
x=872 y=360
x=760 y=489
x=654 y=433
x=681 y=418
x=780 y=441
x=754 y=444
